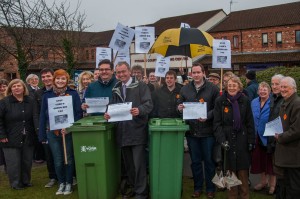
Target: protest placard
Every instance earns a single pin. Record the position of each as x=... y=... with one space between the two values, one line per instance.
x=60 y=112
x=162 y=66
x=102 y=53
x=221 y=54
x=144 y=39
x=121 y=38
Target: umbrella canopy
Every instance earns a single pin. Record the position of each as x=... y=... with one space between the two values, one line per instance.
x=190 y=42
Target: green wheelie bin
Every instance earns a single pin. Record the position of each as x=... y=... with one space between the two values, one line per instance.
x=97 y=158
x=166 y=157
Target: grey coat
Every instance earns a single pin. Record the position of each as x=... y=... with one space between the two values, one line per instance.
x=287 y=151
x=133 y=132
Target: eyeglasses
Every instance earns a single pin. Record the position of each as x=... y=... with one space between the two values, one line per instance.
x=104 y=69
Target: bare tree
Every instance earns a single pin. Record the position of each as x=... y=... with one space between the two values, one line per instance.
x=71 y=24
x=27 y=27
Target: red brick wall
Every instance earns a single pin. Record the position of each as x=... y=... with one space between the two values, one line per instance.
x=252 y=39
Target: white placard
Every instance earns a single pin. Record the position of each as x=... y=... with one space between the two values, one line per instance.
x=60 y=112
x=274 y=126
x=122 y=56
x=194 y=110
x=119 y=112
x=221 y=54
x=102 y=53
x=121 y=38
x=144 y=39
x=162 y=66
x=185 y=25
x=96 y=104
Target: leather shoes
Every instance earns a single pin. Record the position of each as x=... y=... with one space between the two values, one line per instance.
x=196 y=194
x=28 y=185
x=210 y=195
x=18 y=187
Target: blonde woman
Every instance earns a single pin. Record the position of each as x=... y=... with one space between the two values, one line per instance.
x=85 y=78
x=18 y=124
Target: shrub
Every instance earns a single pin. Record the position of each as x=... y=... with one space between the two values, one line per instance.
x=266 y=75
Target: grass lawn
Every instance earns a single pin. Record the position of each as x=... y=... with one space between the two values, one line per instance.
x=39 y=179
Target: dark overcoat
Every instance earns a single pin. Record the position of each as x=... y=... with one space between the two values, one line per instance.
x=287 y=151
x=133 y=132
x=238 y=156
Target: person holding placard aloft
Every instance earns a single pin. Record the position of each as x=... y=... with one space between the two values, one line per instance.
x=64 y=170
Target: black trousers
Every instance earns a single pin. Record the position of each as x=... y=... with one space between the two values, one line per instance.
x=135 y=165
x=50 y=162
x=19 y=163
x=292 y=183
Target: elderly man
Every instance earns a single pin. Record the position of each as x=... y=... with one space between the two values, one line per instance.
x=214 y=78
x=287 y=151
x=132 y=135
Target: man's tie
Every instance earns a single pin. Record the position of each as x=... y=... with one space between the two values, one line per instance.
x=124 y=91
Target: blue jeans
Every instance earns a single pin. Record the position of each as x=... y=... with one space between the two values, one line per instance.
x=64 y=172
x=201 y=150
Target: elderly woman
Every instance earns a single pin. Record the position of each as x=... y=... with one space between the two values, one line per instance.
x=234 y=130
x=32 y=81
x=261 y=160
x=64 y=172
x=85 y=78
x=18 y=119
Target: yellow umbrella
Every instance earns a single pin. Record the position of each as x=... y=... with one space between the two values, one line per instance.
x=190 y=42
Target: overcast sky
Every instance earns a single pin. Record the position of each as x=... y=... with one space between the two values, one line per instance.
x=105 y=14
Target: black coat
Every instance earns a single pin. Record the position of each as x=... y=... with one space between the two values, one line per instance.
x=133 y=132
x=165 y=102
x=15 y=118
x=208 y=92
x=238 y=156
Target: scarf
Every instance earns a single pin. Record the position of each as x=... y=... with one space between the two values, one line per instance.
x=237 y=125
x=59 y=91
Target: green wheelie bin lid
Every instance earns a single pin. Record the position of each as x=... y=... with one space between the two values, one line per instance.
x=92 y=123
x=168 y=124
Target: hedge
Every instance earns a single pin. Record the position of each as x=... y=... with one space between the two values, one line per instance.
x=267 y=74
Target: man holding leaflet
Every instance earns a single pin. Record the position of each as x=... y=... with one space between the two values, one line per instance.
x=287 y=151
x=200 y=139
x=103 y=86
x=132 y=134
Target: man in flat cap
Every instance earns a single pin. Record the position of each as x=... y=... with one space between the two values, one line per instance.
x=215 y=79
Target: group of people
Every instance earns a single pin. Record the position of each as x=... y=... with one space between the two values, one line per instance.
x=236 y=120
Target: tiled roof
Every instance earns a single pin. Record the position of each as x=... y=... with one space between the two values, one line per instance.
x=278 y=15
x=259 y=58
x=194 y=20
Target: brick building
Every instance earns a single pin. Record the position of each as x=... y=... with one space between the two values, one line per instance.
x=261 y=37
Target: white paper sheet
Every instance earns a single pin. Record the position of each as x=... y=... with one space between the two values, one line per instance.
x=60 y=112
x=274 y=126
x=119 y=112
x=194 y=110
x=97 y=104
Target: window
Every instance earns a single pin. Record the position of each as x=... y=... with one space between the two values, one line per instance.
x=93 y=54
x=87 y=55
x=297 y=36
x=278 y=37
x=235 y=41
x=265 y=39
